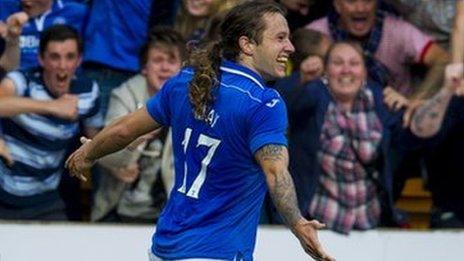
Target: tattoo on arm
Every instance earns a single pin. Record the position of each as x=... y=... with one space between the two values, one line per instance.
x=274 y=160
x=270 y=152
x=284 y=197
x=428 y=118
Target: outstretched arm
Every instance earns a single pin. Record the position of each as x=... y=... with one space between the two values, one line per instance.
x=428 y=118
x=11 y=32
x=64 y=107
x=112 y=138
x=436 y=59
x=274 y=162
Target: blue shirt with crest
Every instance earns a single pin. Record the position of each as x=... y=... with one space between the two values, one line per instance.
x=214 y=207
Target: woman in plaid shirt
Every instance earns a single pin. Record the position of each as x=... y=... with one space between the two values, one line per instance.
x=341 y=134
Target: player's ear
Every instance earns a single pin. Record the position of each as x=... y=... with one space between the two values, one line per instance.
x=247 y=46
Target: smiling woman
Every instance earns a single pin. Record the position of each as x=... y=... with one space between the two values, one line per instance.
x=346 y=73
x=340 y=136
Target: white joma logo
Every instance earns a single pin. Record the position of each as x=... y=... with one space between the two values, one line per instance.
x=272 y=103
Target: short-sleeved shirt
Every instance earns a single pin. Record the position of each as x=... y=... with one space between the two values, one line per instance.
x=214 y=208
x=402 y=44
x=70 y=13
x=39 y=143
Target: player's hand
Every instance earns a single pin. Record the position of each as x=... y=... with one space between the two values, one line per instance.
x=78 y=164
x=5 y=153
x=65 y=107
x=306 y=232
x=393 y=99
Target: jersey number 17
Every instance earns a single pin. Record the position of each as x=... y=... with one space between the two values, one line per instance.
x=212 y=145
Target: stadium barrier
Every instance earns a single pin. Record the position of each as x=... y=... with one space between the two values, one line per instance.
x=102 y=242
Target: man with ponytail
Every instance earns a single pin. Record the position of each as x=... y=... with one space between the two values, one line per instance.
x=228 y=140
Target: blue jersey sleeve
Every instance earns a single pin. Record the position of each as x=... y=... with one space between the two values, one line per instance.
x=158 y=105
x=268 y=123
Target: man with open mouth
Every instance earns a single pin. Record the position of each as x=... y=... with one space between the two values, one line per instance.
x=42 y=112
x=390 y=44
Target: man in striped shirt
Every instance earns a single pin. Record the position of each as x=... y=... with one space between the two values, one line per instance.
x=44 y=111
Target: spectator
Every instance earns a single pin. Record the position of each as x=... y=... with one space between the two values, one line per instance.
x=43 y=110
x=194 y=16
x=390 y=46
x=307 y=62
x=340 y=138
x=9 y=41
x=310 y=51
x=131 y=189
x=445 y=161
x=42 y=14
x=114 y=34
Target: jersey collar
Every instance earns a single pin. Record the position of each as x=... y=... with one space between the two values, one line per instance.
x=238 y=69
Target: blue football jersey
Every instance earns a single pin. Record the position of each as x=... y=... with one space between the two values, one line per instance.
x=215 y=205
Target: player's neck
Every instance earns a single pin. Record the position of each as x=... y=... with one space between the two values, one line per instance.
x=248 y=63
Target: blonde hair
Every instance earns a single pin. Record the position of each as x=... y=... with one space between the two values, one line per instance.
x=186 y=23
